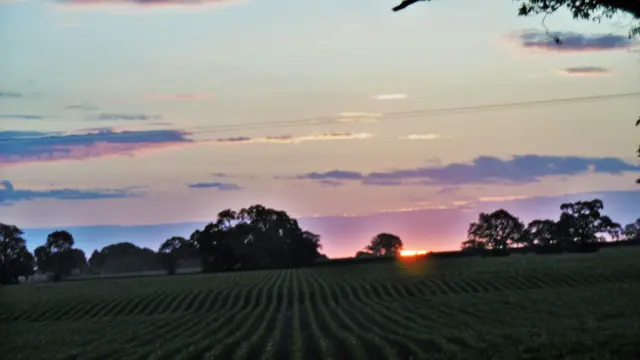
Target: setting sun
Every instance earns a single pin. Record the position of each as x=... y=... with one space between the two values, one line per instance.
x=412 y=252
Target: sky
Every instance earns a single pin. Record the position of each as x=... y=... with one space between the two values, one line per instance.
x=139 y=120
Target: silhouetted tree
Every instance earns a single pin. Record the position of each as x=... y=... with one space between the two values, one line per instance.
x=172 y=251
x=43 y=259
x=473 y=245
x=57 y=255
x=124 y=257
x=585 y=10
x=79 y=260
x=542 y=232
x=384 y=244
x=632 y=231
x=581 y=222
x=497 y=231
x=254 y=238
x=15 y=259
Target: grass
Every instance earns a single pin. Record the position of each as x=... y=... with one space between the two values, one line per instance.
x=519 y=307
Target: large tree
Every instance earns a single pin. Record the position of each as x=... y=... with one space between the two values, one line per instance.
x=255 y=238
x=58 y=256
x=15 y=259
x=123 y=257
x=496 y=231
x=542 y=232
x=582 y=223
x=385 y=244
x=174 y=250
x=632 y=231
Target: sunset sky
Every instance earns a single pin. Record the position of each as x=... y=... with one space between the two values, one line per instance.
x=138 y=120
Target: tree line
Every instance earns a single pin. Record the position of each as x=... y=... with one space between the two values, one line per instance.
x=257 y=237
x=581 y=227
x=252 y=238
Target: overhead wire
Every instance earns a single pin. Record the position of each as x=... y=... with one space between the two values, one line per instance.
x=400 y=115
x=411 y=113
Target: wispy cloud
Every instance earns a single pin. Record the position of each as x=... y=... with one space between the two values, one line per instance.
x=125 y=117
x=21 y=116
x=572 y=42
x=215 y=185
x=332 y=175
x=10 y=95
x=181 y=97
x=9 y=195
x=429 y=136
x=233 y=176
x=485 y=169
x=356 y=117
x=585 y=71
x=132 y=5
x=30 y=146
x=390 y=96
x=291 y=139
x=83 y=107
x=502 y=198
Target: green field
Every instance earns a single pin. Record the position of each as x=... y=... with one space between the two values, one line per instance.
x=535 y=307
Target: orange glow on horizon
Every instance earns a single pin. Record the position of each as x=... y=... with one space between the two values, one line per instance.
x=404 y=253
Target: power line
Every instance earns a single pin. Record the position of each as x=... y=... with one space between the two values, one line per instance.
x=311 y=121
x=414 y=113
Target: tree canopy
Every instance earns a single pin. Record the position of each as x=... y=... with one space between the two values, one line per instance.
x=595 y=10
x=123 y=257
x=256 y=237
x=497 y=230
x=57 y=255
x=15 y=258
x=580 y=227
x=384 y=244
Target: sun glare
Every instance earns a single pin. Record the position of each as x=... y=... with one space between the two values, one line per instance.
x=404 y=253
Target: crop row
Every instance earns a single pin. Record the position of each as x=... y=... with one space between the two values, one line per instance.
x=202 y=301
x=302 y=314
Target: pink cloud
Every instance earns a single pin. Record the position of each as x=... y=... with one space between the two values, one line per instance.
x=291 y=139
x=129 y=5
x=29 y=147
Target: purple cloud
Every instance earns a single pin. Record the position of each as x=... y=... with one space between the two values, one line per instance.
x=215 y=185
x=484 y=169
x=148 y=3
x=31 y=146
x=332 y=175
x=9 y=195
x=572 y=42
x=126 y=117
